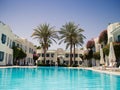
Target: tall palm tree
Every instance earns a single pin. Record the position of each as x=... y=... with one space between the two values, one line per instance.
x=78 y=39
x=45 y=34
x=69 y=33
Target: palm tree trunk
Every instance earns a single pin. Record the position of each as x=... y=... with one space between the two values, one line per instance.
x=44 y=55
x=71 y=54
x=74 y=54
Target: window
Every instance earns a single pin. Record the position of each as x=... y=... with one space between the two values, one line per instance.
x=76 y=55
x=66 y=55
x=80 y=55
x=76 y=62
x=29 y=50
x=42 y=54
x=1 y=56
x=71 y=55
x=52 y=55
x=13 y=44
x=47 y=55
x=3 y=39
x=32 y=51
x=118 y=38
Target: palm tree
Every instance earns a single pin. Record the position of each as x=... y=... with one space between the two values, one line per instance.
x=78 y=39
x=45 y=34
x=71 y=34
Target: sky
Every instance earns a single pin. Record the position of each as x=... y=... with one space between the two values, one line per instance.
x=92 y=15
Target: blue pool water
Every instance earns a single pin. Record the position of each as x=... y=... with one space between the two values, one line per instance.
x=56 y=78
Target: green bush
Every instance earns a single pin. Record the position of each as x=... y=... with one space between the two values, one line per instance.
x=96 y=55
x=88 y=55
x=106 y=49
x=116 y=49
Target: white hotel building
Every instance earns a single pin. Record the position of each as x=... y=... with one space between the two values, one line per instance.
x=7 y=40
x=113 y=31
x=52 y=56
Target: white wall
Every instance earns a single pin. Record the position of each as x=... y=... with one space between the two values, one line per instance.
x=97 y=45
x=59 y=53
x=110 y=30
x=6 y=48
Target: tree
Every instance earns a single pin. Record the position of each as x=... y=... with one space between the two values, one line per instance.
x=116 y=49
x=116 y=46
x=78 y=39
x=18 y=53
x=90 y=44
x=35 y=57
x=67 y=32
x=103 y=38
x=22 y=54
x=45 y=34
x=117 y=52
x=106 y=49
x=71 y=34
x=90 y=54
x=15 y=52
x=38 y=47
x=96 y=55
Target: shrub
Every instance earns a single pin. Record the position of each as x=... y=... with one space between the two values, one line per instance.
x=96 y=55
x=106 y=49
x=90 y=44
x=18 y=53
x=88 y=55
x=35 y=56
x=116 y=49
x=103 y=37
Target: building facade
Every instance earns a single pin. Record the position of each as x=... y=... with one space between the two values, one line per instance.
x=27 y=47
x=59 y=56
x=113 y=32
x=9 y=39
x=6 y=39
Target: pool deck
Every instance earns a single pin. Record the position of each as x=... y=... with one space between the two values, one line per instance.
x=18 y=66
x=111 y=71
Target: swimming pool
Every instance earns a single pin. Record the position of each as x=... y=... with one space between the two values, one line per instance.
x=56 y=78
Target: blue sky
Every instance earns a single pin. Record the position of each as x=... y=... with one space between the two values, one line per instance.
x=92 y=15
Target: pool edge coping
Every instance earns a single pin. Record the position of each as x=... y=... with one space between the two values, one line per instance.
x=86 y=68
